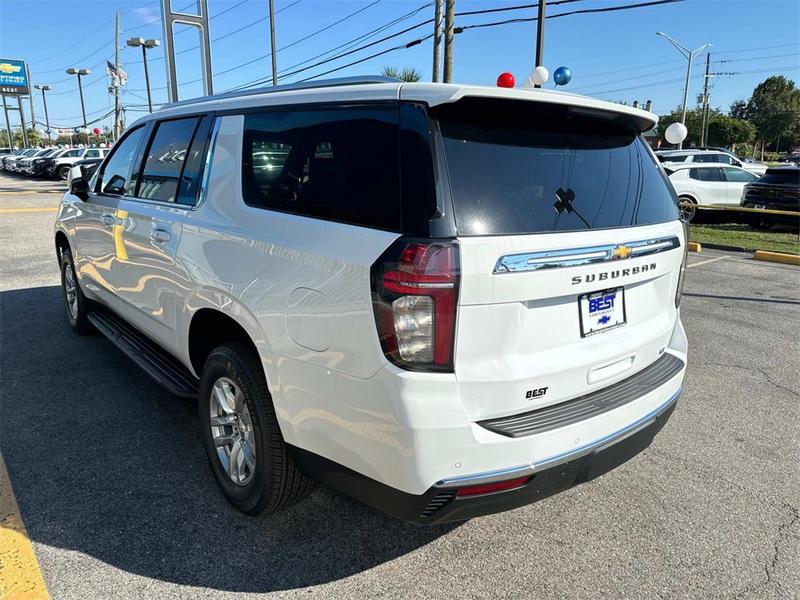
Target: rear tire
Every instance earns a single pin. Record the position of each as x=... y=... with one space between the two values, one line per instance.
x=688 y=213
x=244 y=445
x=75 y=303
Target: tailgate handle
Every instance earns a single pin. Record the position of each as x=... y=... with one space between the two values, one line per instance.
x=610 y=370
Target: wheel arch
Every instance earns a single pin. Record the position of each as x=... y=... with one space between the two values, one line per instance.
x=211 y=325
x=61 y=243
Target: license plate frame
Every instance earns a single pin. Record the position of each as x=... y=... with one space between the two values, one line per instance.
x=611 y=306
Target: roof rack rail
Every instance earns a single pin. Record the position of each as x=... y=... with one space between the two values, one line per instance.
x=323 y=83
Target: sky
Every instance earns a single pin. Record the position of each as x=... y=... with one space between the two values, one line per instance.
x=614 y=56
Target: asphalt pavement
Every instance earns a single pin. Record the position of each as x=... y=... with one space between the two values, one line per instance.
x=113 y=486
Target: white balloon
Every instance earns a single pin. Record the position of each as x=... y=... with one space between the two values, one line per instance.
x=676 y=133
x=539 y=76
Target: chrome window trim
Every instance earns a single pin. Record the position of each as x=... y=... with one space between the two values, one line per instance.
x=212 y=143
x=572 y=257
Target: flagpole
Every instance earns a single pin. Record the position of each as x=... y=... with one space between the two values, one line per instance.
x=116 y=80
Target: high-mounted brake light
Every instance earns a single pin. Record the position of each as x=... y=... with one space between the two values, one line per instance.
x=415 y=291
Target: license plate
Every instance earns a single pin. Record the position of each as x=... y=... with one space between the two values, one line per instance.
x=601 y=311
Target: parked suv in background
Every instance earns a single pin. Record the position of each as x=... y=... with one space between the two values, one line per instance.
x=60 y=167
x=778 y=189
x=443 y=300
x=702 y=183
x=709 y=156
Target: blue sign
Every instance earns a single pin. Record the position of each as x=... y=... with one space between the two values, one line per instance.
x=13 y=77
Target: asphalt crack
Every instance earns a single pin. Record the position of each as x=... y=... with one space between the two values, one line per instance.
x=759 y=370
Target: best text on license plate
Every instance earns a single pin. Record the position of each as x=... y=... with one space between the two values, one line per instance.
x=601 y=311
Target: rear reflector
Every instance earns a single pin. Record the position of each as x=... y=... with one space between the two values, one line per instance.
x=498 y=486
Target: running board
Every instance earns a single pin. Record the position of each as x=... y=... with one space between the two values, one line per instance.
x=155 y=361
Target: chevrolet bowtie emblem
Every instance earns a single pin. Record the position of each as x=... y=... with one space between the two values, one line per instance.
x=7 y=68
x=620 y=252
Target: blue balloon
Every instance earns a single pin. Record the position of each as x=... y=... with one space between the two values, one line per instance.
x=562 y=76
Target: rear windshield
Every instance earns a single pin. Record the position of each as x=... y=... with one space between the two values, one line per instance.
x=781 y=177
x=519 y=167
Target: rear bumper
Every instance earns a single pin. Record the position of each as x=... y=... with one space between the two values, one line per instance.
x=441 y=504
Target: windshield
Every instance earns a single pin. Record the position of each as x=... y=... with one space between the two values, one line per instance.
x=791 y=177
x=534 y=168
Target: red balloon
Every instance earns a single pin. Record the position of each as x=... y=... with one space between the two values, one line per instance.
x=96 y=130
x=505 y=80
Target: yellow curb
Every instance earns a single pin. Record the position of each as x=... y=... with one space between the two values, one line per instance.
x=695 y=247
x=20 y=577
x=778 y=257
x=27 y=210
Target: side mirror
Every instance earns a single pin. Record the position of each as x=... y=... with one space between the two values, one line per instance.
x=78 y=186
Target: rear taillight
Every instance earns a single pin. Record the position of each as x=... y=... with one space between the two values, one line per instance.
x=415 y=292
x=682 y=272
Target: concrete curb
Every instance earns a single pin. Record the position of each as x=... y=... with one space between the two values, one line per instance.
x=777 y=257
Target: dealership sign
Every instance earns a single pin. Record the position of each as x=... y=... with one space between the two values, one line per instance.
x=13 y=78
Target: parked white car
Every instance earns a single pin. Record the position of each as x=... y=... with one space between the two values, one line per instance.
x=443 y=300
x=720 y=184
x=61 y=166
x=710 y=156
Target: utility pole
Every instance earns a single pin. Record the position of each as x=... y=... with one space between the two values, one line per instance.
x=449 y=18
x=116 y=82
x=45 y=88
x=689 y=55
x=704 y=129
x=273 y=52
x=539 y=62
x=437 y=39
x=30 y=97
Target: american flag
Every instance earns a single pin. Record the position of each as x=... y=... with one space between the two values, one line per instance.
x=112 y=71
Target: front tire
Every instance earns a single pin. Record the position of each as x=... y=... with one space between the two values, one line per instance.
x=63 y=172
x=243 y=441
x=688 y=213
x=75 y=303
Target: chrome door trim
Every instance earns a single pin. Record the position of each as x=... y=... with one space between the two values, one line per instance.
x=572 y=257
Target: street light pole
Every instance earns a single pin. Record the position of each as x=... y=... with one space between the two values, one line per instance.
x=146 y=45
x=689 y=55
x=273 y=51
x=539 y=61
x=80 y=73
x=45 y=88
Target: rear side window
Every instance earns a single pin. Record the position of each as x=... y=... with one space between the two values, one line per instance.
x=706 y=174
x=738 y=175
x=337 y=164
x=165 y=159
x=526 y=168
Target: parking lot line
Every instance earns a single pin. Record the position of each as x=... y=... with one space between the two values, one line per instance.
x=705 y=262
x=28 y=209
x=20 y=576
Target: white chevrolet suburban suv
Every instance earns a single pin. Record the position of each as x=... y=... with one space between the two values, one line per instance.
x=443 y=300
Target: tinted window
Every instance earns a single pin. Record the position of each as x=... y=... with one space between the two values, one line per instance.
x=705 y=158
x=706 y=174
x=93 y=153
x=192 y=175
x=732 y=174
x=116 y=176
x=72 y=153
x=338 y=164
x=165 y=159
x=524 y=168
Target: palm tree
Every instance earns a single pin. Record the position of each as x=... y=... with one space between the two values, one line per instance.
x=407 y=74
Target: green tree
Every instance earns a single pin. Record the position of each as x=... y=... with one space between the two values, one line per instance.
x=723 y=130
x=406 y=74
x=774 y=108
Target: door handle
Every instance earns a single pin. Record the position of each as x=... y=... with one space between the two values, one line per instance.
x=160 y=235
x=108 y=220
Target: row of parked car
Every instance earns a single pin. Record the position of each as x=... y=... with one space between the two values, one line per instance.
x=54 y=163
x=717 y=177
